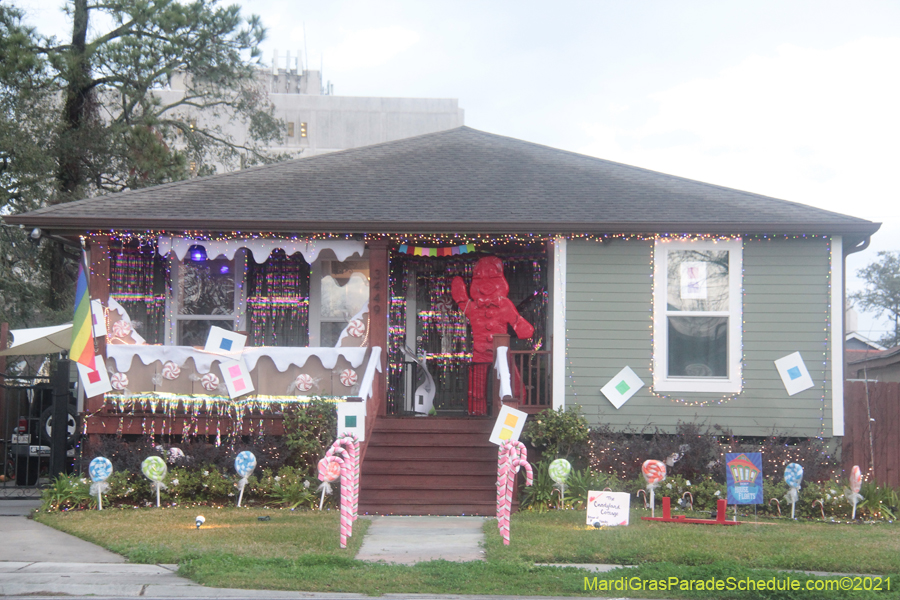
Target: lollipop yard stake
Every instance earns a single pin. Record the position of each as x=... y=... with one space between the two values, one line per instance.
x=329 y=471
x=853 y=494
x=654 y=472
x=559 y=472
x=244 y=464
x=793 y=475
x=511 y=456
x=100 y=469
x=154 y=468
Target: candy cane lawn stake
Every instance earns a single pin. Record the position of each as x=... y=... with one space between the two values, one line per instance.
x=350 y=444
x=330 y=468
x=511 y=456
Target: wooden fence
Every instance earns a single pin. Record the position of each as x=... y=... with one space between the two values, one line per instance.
x=872 y=427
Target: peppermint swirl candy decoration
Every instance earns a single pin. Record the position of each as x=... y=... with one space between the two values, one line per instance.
x=171 y=371
x=356 y=328
x=348 y=377
x=154 y=468
x=443 y=305
x=100 y=469
x=121 y=329
x=210 y=382
x=303 y=383
x=559 y=470
x=119 y=381
x=855 y=479
x=244 y=463
x=654 y=471
x=793 y=475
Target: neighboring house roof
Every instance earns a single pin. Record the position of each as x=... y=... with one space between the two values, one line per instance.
x=855 y=341
x=875 y=359
x=458 y=181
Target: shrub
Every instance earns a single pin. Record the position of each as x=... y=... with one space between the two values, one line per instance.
x=559 y=433
x=309 y=431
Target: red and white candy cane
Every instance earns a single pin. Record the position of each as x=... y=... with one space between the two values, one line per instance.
x=512 y=455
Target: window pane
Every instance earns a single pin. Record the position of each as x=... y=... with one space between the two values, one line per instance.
x=698 y=347
x=697 y=280
x=344 y=297
x=206 y=287
x=331 y=333
x=194 y=333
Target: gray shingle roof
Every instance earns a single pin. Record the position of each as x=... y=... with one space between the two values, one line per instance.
x=455 y=181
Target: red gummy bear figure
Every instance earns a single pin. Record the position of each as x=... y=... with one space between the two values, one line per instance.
x=489 y=311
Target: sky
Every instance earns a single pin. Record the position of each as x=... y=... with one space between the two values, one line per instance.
x=799 y=100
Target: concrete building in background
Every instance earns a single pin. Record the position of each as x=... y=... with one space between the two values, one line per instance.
x=317 y=121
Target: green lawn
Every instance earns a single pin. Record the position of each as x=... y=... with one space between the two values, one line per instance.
x=300 y=551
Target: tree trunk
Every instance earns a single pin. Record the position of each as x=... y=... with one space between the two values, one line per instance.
x=71 y=174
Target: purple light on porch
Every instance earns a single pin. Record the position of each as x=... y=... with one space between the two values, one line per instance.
x=197 y=253
x=223 y=269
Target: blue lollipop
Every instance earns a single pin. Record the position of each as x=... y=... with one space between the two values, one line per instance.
x=793 y=475
x=244 y=463
x=100 y=469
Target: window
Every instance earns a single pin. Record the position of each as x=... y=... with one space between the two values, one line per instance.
x=290 y=129
x=697 y=316
x=338 y=291
x=205 y=293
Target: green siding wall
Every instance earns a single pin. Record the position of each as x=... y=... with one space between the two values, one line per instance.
x=786 y=309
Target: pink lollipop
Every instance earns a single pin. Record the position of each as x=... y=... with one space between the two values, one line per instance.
x=170 y=370
x=855 y=479
x=303 y=383
x=654 y=471
x=209 y=382
x=356 y=328
x=119 y=381
x=121 y=329
x=329 y=469
x=348 y=377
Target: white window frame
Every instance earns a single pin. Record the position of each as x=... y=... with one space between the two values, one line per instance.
x=240 y=298
x=661 y=380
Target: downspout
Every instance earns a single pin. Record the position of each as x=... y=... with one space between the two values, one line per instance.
x=859 y=247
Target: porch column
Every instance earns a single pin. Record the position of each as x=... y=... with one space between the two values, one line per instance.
x=98 y=284
x=379 y=298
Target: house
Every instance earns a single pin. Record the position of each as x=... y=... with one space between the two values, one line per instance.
x=674 y=297
x=876 y=365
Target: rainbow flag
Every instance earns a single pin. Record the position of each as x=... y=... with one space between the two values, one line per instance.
x=83 y=324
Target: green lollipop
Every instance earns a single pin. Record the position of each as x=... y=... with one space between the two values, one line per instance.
x=154 y=468
x=560 y=470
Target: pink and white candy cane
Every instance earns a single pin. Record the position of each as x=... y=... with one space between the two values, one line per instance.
x=511 y=456
x=350 y=443
x=331 y=468
x=346 y=489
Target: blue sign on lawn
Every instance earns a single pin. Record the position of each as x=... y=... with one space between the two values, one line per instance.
x=743 y=473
